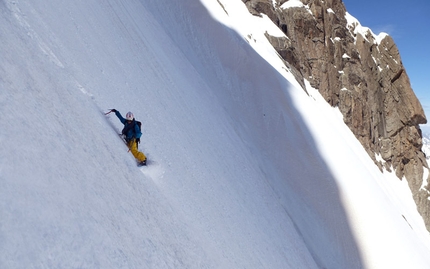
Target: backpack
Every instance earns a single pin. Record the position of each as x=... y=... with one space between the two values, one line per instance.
x=130 y=126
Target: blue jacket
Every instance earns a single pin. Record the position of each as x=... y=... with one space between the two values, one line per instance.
x=130 y=128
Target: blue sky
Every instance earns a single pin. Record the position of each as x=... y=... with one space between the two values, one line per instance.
x=408 y=22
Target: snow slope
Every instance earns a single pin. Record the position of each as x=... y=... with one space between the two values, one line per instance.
x=250 y=171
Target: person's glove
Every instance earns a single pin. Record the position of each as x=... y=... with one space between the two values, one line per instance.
x=137 y=140
x=113 y=110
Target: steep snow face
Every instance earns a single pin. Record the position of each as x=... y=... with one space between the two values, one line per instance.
x=249 y=171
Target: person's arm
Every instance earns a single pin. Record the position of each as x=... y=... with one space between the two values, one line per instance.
x=120 y=117
x=137 y=131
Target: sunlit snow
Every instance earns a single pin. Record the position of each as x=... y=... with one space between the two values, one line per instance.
x=248 y=170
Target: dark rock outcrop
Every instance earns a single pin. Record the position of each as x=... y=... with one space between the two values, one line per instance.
x=360 y=73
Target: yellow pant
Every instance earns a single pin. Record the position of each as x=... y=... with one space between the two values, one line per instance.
x=132 y=145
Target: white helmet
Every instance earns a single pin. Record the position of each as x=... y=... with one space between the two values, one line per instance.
x=129 y=116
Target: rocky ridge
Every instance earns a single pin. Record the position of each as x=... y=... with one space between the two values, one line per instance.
x=360 y=73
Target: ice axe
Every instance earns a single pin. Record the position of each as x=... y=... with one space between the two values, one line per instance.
x=110 y=111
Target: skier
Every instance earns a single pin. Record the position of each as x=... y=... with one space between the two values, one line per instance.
x=132 y=135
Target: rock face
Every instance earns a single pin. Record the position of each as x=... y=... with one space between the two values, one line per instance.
x=360 y=73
